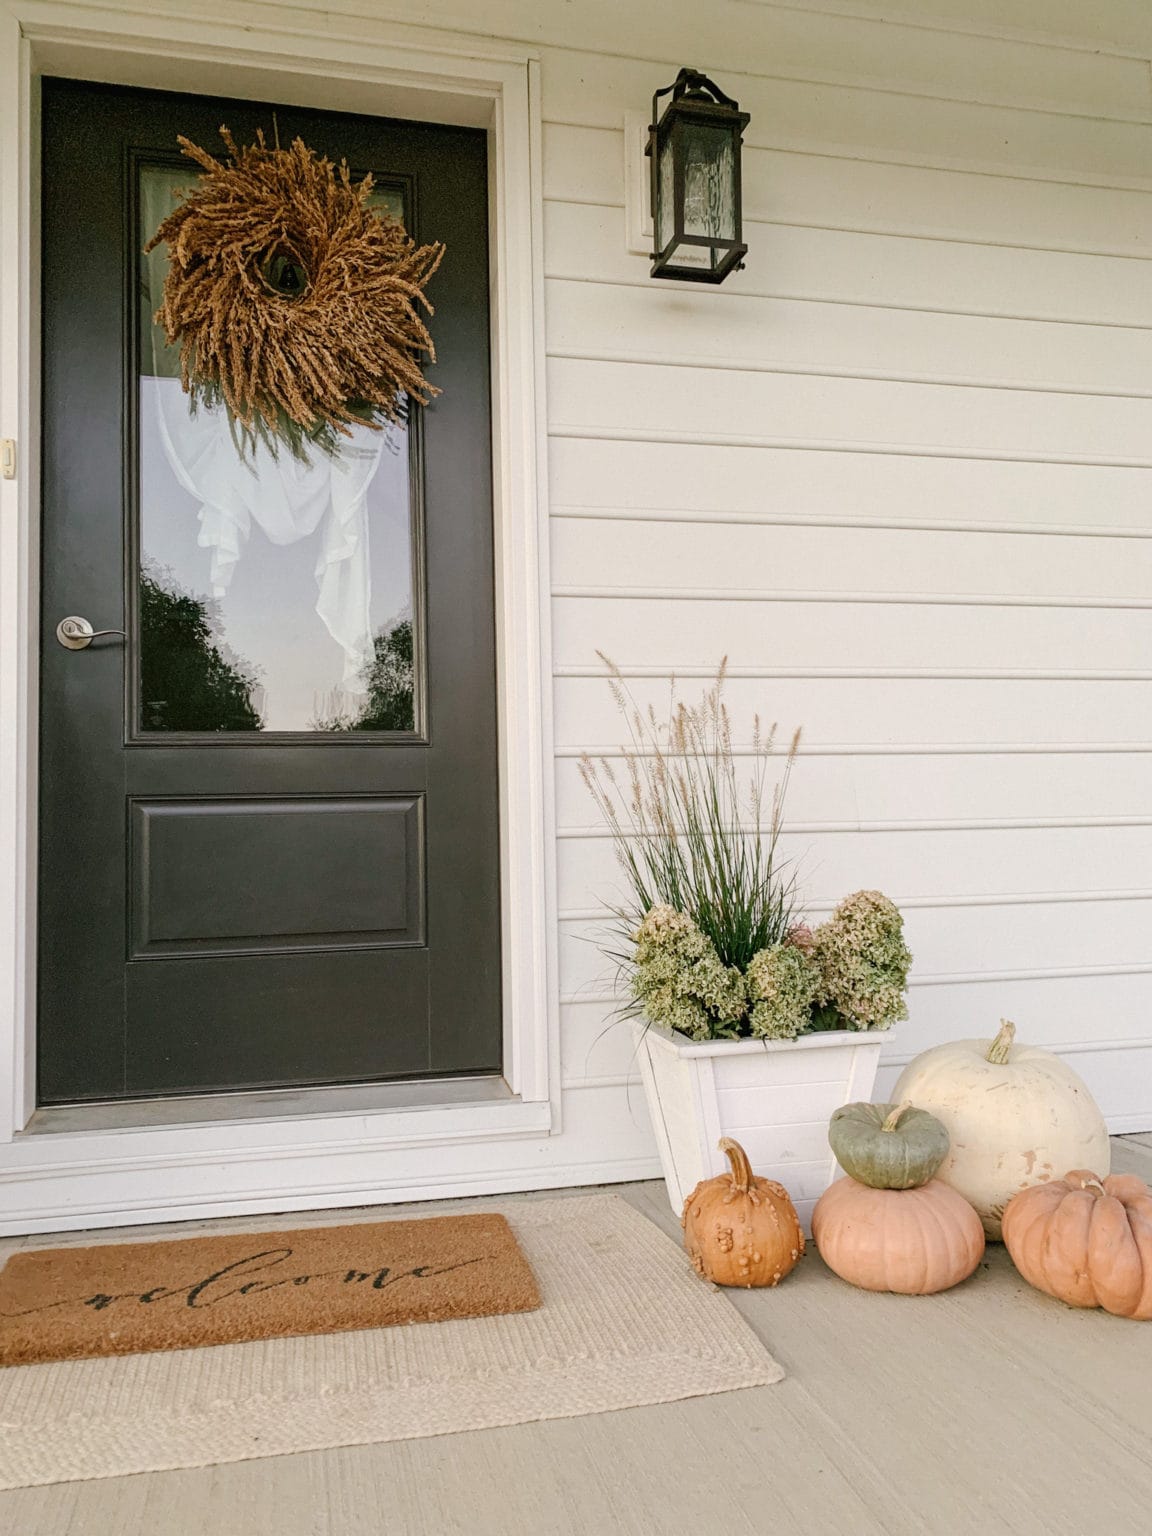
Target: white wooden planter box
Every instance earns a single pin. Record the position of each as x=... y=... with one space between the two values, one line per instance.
x=775 y=1097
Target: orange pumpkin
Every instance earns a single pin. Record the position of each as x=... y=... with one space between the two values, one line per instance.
x=914 y=1241
x=741 y=1230
x=1086 y=1240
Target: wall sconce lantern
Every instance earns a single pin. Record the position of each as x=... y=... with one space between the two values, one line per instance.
x=695 y=153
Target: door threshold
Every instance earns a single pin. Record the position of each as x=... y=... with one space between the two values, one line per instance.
x=268 y=1104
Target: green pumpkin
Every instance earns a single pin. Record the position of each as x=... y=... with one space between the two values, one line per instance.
x=887 y=1146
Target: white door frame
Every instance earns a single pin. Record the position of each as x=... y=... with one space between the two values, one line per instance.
x=143 y=1173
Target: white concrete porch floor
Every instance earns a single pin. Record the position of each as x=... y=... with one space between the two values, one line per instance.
x=990 y=1409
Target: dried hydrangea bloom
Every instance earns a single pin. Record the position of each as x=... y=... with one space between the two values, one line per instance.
x=801 y=936
x=864 y=961
x=680 y=981
x=782 y=983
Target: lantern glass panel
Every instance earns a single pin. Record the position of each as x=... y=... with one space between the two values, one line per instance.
x=709 y=181
x=666 y=196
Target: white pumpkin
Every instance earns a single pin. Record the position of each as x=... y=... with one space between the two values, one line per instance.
x=1015 y=1116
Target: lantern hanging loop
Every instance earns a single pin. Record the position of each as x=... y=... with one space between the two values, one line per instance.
x=693 y=83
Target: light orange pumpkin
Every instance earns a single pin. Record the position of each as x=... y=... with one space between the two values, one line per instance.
x=913 y=1241
x=1086 y=1240
x=740 y=1229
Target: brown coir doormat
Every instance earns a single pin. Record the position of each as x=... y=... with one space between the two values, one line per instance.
x=131 y=1298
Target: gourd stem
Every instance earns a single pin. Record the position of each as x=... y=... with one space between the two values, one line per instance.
x=1000 y=1051
x=893 y=1119
x=738 y=1162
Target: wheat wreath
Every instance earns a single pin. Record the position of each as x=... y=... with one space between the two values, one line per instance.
x=294 y=303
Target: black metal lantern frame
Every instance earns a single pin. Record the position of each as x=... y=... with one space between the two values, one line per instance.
x=696 y=196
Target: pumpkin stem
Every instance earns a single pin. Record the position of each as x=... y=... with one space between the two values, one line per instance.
x=893 y=1118
x=1000 y=1050
x=738 y=1162
x=1093 y=1183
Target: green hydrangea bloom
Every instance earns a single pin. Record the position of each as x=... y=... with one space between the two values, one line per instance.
x=863 y=962
x=782 y=983
x=680 y=981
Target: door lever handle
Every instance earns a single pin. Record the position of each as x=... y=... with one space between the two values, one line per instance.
x=76 y=634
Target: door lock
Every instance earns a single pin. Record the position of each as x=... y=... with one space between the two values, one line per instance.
x=76 y=634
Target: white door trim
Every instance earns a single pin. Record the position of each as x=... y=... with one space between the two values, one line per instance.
x=303 y=1160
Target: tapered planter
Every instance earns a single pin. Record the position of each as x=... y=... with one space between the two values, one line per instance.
x=774 y=1096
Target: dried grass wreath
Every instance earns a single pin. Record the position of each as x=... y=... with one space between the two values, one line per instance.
x=294 y=302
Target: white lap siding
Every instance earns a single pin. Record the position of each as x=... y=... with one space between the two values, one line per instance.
x=900 y=471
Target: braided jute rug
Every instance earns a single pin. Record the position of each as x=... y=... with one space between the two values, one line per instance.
x=623 y=1322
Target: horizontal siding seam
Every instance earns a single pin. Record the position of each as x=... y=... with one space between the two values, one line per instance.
x=782 y=296
x=765 y=145
x=929 y=903
x=1110 y=252
x=1033 y=174
x=912 y=749
x=883 y=232
x=866 y=674
x=1060 y=1048
x=874 y=86
x=562 y=512
x=898 y=1059
x=742 y=77
x=577 y=431
x=1041 y=973
x=460 y=33
x=599 y=833
x=707 y=364
x=848 y=599
x=889 y=17
x=601 y=996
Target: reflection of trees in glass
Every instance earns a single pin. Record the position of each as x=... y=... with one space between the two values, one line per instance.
x=388 y=684
x=189 y=680
x=389 y=680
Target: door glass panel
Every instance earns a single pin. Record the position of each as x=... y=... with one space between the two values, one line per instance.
x=273 y=595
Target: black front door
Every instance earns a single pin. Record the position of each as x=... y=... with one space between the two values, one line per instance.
x=268 y=810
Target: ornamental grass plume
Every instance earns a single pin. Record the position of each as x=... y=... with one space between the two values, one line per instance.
x=691 y=829
x=863 y=962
